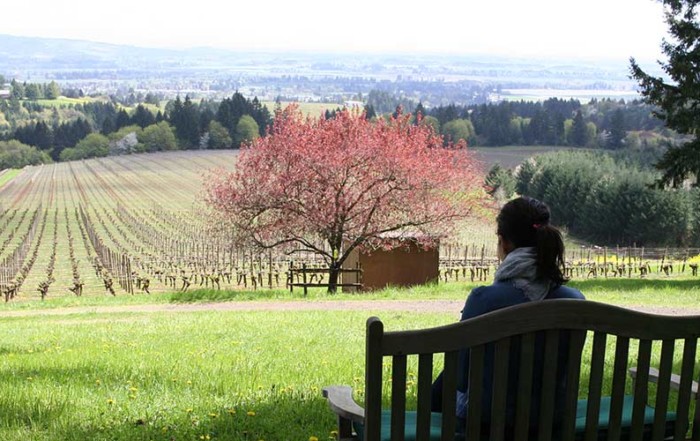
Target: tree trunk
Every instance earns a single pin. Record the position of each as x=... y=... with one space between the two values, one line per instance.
x=333 y=277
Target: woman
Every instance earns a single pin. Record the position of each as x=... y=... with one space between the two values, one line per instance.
x=532 y=255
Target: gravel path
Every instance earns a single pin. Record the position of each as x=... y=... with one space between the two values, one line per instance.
x=444 y=306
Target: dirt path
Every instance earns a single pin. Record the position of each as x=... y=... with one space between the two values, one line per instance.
x=437 y=306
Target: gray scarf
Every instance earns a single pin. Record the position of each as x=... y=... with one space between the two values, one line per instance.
x=520 y=268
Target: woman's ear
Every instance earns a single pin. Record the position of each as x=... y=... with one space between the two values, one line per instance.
x=504 y=247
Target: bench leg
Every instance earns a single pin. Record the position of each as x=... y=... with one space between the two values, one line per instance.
x=345 y=430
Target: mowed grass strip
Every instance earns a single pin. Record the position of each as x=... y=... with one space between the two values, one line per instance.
x=657 y=291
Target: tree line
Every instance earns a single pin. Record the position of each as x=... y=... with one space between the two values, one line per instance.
x=99 y=128
x=605 y=123
x=604 y=200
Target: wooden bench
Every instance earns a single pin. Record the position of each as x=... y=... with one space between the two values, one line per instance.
x=312 y=277
x=600 y=401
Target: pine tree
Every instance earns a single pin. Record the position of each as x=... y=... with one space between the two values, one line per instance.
x=617 y=130
x=419 y=110
x=677 y=99
x=579 y=134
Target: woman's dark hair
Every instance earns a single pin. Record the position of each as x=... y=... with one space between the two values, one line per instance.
x=525 y=223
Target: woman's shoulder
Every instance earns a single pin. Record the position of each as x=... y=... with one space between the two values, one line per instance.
x=566 y=292
x=497 y=295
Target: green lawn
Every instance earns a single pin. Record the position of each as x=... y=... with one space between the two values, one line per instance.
x=64 y=101
x=8 y=175
x=213 y=374
x=310 y=109
x=162 y=376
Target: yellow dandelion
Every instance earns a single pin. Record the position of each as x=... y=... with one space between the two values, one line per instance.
x=313 y=438
x=250 y=413
x=98 y=382
x=189 y=410
x=214 y=415
x=110 y=401
x=232 y=411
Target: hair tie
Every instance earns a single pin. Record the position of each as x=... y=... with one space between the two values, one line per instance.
x=536 y=226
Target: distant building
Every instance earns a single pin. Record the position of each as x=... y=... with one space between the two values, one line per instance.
x=352 y=104
x=5 y=93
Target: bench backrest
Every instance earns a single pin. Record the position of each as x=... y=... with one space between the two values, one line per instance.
x=662 y=342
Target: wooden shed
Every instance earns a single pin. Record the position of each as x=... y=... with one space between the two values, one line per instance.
x=408 y=264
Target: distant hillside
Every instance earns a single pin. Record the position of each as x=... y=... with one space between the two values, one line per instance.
x=26 y=53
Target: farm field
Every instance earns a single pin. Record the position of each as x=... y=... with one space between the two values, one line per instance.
x=99 y=225
x=310 y=109
x=510 y=156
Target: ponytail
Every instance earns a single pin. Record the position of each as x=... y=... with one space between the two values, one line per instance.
x=550 y=254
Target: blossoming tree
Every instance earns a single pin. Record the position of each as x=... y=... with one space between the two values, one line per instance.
x=332 y=185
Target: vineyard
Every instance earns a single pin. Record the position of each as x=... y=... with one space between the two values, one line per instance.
x=137 y=224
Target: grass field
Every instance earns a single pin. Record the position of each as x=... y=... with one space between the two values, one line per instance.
x=7 y=175
x=310 y=109
x=211 y=374
x=510 y=156
x=64 y=101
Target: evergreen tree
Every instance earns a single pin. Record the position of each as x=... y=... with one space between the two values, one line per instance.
x=677 y=99
x=17 y=89
x=579 y=133
x=419 y=110
x=370 y=112
x=52 y=91
x=500 y=182
x=185 y=119
x=33 y=91
x=122 y=119
x=617 y=130
x=142 y=117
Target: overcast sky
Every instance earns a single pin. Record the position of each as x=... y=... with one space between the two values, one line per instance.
x=613 y=29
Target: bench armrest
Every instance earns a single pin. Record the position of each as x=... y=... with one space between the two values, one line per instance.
x=675 y=380
x=341 y=402
x=348 y=411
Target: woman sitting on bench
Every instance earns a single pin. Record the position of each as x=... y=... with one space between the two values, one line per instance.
x=531 y=251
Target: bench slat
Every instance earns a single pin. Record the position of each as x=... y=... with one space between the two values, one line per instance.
x=425 y=378
x=622 y=345
x=476 y=373
x=665 y=366
x=500 y=389
x=522 y=407
x=696 y=421
x=449 y=396
x=687 y=367
x=641 y=390
x=373 y=380
x=549 y=383
x=573 y=375
x=594 y=386
x=398 y=397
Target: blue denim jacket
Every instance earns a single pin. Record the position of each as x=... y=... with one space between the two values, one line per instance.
x=485 y=299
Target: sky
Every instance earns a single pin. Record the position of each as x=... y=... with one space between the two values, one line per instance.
x=609 y=29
